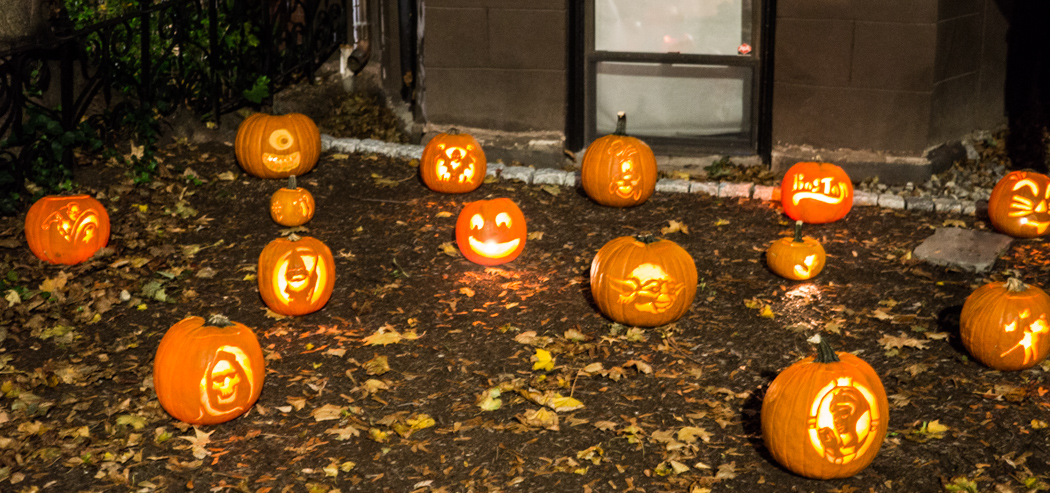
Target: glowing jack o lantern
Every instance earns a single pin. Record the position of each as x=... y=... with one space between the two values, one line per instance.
x=277 y=146
x=796 y=258
x=208 y=373
x=1005 y=325
x=643 y=282
x=619 y=170
x=491 y=232
x=816 y=193
x=296 y=275
x=1018 y=204
x=292 y=206
x=453 y=162
x=66 y=230
x=825 y=416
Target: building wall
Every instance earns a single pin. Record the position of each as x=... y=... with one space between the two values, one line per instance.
x=891 y=75
x=495 y=64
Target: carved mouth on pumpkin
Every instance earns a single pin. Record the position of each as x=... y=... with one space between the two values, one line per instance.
x=491 y=249
x=281 y=162
x=806 y=267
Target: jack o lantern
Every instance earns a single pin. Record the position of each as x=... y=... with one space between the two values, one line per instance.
x=1004 y=325
x=619 y=170
x=816 y=193
x=796 y=258
x=825 y=416
x=271 y=146
x=206 y=374
x=491 y=232
x=292 y=206
x=453 y=162
x=66 y=230
x=643 y=282
x=1018 y=204
x=296 y=275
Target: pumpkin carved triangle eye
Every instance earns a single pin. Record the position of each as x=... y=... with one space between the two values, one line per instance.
x=503 y=219
x=477 y=222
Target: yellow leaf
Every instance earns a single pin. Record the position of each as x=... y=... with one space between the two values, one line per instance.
x=721 y=222
x=58 y=283
x=534 y=235
x=444 y=214
x=420 y=421
x=690 y=434
x=542 y=360
x=12 y=297
x=383 y=337
x=372 y=385
x=343 y=433
x=490 y=401
x=340 y=157
x=449 y=248
x=674 y=227
x=767 y=312
x=936 y=427
x=378 y=435
x=560 y=403
x=141 y=207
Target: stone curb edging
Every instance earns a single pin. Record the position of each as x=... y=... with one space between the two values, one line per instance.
x=548 y=176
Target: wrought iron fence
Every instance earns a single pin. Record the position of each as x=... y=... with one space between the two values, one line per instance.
x=207 y=55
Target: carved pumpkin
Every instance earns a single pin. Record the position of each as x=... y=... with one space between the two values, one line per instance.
x=277 y=146
x=619 y=170
x=292 y=206
x=643 y=282
x=453 y=162
x=1004 y=325
x=208 y=374
x=1018 y=204
x=66 y=230
x=816 y=193
x=296 y=275
x=796 y=258
x=491 y=232
x=825 y=416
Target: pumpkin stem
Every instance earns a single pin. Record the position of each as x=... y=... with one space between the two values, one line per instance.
x=219 y=320
x=292 y=185
x=621 y=124
x=798 y=232
x=646 y=239
x=294 y=237
x=453 y=131
x=824 y=353
x=1014 y=285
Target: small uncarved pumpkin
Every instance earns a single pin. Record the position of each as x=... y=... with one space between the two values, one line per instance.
x=453 y=162
x=296 y=275
x=797 y=258
x=825 y=416
x=643 y=281
x=292 y=205
x=210 y=373
x=619 y=170
x=66 y=229
x=270 y=146
x=491 y=232
x=1005 y=325
x=1019 y=202
x=816 y=193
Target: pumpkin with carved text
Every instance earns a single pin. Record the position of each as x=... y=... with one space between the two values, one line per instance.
x=1006 y=325
x=453 y=162
x=644 y=282
x=816 y=193
x=296 y=275
x=66 y=229
x=619 y=170
x=277 y=146
x=210 y=372
x=1019 y=205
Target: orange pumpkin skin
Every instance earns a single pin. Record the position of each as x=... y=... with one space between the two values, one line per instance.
x=270 y=146
x=1005 y=325
x=66 y=230
x=1019 y=202
x=206 y=374
x=491 y=232
x=797 y=258
x=292 y=205
x=296 y=275
x=453 y=162
x=643 y=283
x=619 y=170
x=816 y=193
x=826 y=416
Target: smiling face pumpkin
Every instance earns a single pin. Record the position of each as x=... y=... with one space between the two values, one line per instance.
x=1018 y=205
x=491 y=232
x=277 y=146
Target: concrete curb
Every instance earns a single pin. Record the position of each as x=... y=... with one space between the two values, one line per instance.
x=751 y=191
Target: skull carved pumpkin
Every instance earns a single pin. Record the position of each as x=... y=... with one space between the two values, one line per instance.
x=825 y=416
x=491 y=232
x=66 y=230
x=296 y=275
x=208 y=373
x=1019 y=202
x=277 y=146
x=1005 y=325
x=816 y=193
x=796 y=258
x=643 y=282
x=453 y=162
x=292 y=206
x=619 y=170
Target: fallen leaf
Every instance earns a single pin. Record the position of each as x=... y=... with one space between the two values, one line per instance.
x=891 y=342
x=542 y=360
x=343 y=433
x=449 y=248
x=328 y=412
x=674 y=227
x=227 y=176
x=340 y=157
x=199 y=442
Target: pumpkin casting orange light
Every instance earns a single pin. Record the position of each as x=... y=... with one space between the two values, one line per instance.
x=66 y=229
x=816 y=193
x=491 y=232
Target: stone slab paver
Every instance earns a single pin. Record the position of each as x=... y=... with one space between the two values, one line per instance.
x=708 y=187
x=735 y=190
x=763 y=192
x=924 y=204
x=519 y=173
x=673 y=186
x=865 y=199
x=967 y=249
x=947 y=205
x=547 y=176
x=891 y=201
x=494 y=169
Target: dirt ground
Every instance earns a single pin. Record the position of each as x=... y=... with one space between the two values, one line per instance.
x=672 y=408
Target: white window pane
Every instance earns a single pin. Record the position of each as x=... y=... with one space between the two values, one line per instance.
x=681 y=101
x=709 y=27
